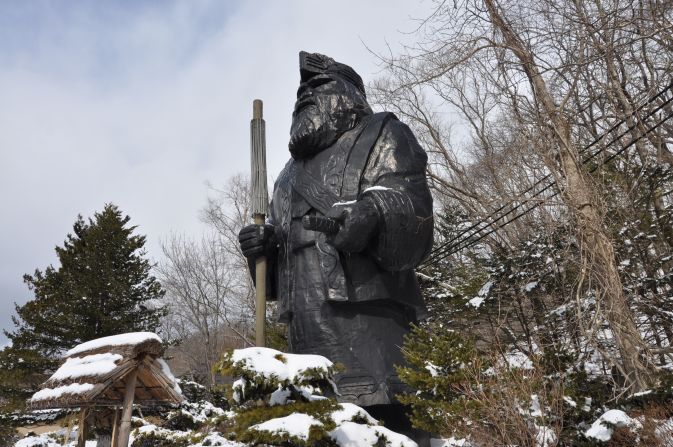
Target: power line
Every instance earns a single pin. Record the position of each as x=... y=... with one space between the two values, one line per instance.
x=619 y=123
x=449 y=247
x=461 y=245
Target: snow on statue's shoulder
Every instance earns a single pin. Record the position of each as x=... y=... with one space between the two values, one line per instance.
x=130 y=339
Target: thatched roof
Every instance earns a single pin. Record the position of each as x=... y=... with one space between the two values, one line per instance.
x=94 y=373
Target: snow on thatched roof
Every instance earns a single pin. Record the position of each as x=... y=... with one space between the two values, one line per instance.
x=93 y=374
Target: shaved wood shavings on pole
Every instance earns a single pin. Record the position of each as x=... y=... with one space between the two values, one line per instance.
x=259 y=207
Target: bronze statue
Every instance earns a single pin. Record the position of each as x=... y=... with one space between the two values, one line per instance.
x=350 y=218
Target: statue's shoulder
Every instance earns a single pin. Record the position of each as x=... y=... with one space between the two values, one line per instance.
x=285 y=173
x=398 y=137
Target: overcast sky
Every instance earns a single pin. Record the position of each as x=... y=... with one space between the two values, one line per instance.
x=140 y=103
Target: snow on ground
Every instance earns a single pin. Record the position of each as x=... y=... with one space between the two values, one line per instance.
x=602 y=428
x=451 y=442
x=350 y=411
x=90 y=365
x=351 y=434
x=545 y=436
x=45 y=440
x=296 y=425
x=55 y=393
x=131 y=338
x=215 y=439
x=271 y=363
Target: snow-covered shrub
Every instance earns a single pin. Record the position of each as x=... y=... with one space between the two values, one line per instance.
x=285 y=399
x=193 y=391
x=264 y=371
x=192 y=415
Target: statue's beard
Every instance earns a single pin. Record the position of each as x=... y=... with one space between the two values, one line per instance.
x=314 y=130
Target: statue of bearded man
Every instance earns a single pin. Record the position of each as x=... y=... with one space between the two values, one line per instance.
x=351 y=217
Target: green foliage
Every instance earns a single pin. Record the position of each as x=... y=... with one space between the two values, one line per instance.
x=437 y=359
x=276 y=336
x=254 y=385
x=8 y=434
x=154 y=439
x=320 y=410
x=103 y=286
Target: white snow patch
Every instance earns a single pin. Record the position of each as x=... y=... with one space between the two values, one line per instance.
x=90 y=365
x=476 y=302
x=518 y=360
x=601 y=429
x=131 y=338
x=530 y=286
x=376 y=188
x=642 y=393
x=239 y=390
x=216 y=439
x=451 y=442
x=169 y=374
x=347 y=202
x=280 y=396
x=36 y=441
x=432 y=368
x=349 y=411
x=350 y=434
x=485 y=288
x=545 y=436
x=296 y=425
x=55 y=393
x=535 y=408
x=271 y=363
x=569 y=401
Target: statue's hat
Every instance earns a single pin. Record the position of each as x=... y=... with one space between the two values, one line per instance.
x=311 y=64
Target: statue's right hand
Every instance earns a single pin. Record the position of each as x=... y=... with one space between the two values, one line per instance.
x=256 y=240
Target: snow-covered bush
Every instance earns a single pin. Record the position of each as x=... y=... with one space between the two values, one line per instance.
x=285 y=399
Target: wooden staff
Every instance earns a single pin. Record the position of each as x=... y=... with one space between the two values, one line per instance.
x=259 y=207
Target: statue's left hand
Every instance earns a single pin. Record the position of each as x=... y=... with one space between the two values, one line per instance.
x=358 y=222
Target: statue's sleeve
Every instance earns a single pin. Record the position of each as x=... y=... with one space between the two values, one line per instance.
x=394 y=179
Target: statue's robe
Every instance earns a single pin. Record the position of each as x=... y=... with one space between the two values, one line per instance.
x=354 y=308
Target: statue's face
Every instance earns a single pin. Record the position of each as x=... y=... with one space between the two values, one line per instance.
x=326 y=107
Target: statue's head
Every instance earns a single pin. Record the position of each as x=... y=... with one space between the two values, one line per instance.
x=330 y=101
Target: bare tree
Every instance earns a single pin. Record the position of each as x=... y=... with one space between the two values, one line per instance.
x=208 y=284
x=534 y=82
x=206 y=313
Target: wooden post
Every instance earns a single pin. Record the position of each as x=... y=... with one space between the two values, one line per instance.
x=115 y=428
x=81 y=429
x=259 y=207
x=127 y=409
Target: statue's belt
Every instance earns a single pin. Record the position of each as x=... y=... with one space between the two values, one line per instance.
x=315 y=192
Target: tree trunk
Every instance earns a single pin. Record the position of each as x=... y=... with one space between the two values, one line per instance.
x=578 y=196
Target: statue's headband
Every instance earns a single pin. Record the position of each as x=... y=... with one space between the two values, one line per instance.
x=312 y=64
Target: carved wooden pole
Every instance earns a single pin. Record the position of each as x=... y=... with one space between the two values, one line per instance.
x=259 y=207
x=127 y=409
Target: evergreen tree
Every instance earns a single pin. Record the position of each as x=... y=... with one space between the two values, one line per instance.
x=102 y=287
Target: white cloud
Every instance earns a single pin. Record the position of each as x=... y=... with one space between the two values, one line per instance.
x=142 y=106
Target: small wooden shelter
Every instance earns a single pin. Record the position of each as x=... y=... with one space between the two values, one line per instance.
x=111 y=372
